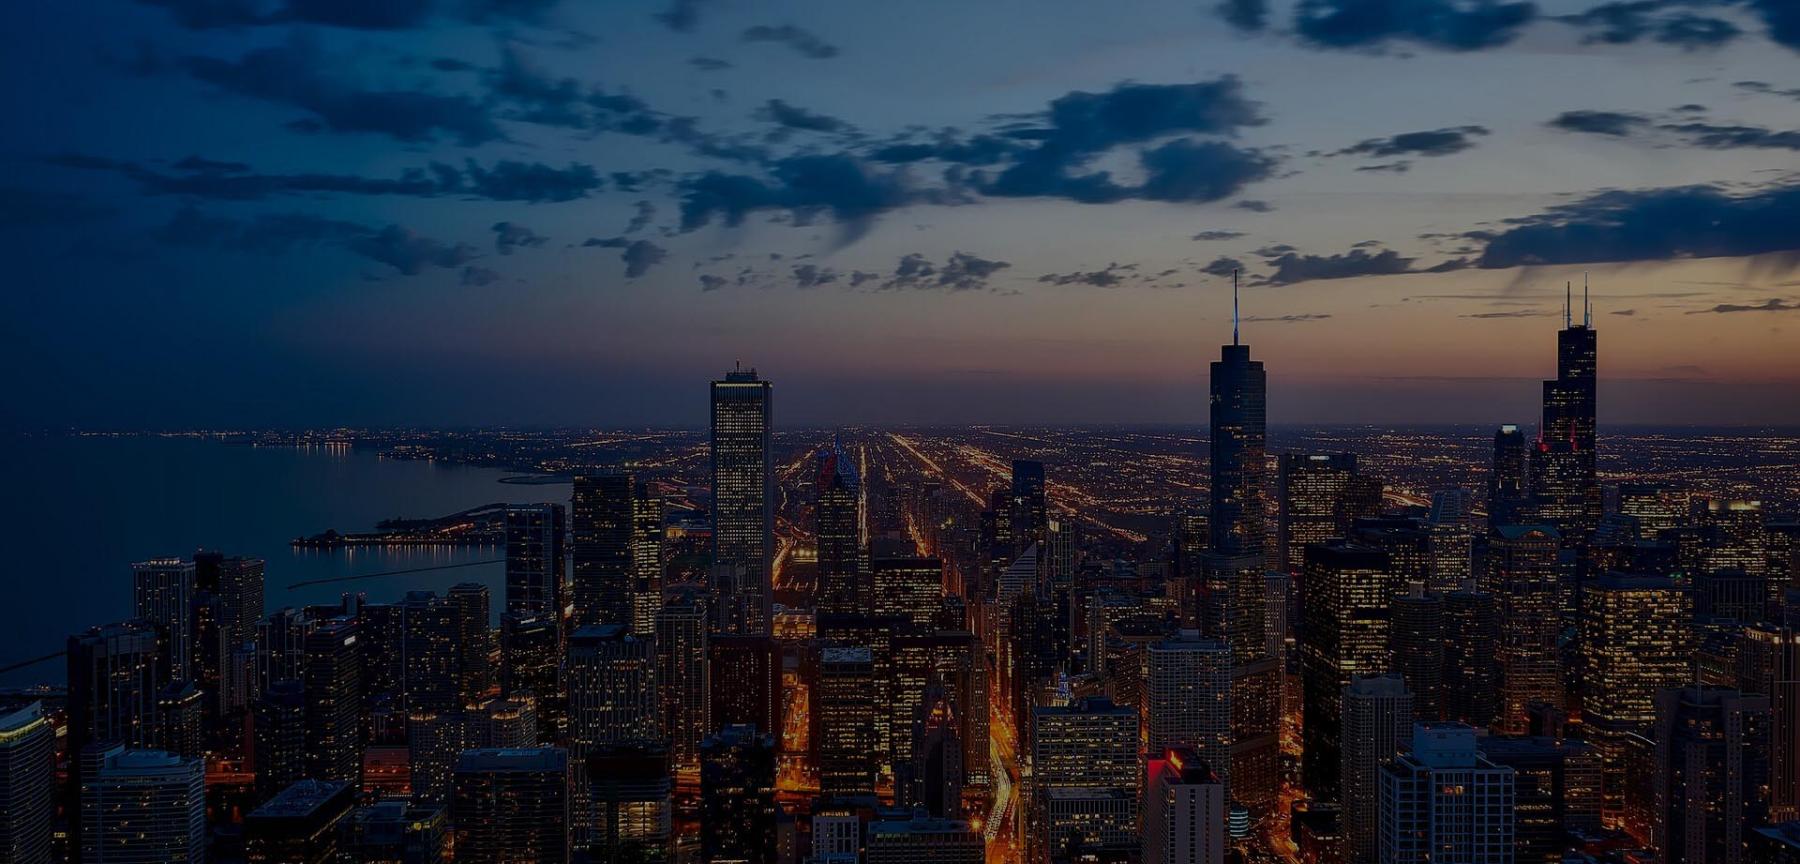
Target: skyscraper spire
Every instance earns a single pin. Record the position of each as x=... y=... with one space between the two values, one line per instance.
x=1568 y=302
x=1587 y=305
x=1234 y=306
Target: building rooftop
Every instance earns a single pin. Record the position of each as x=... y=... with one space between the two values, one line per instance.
x=300 y=799
x=508 y=759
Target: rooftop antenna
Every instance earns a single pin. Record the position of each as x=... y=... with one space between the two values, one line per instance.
x=1234 y=306
x=1587 y=306
x=1568 y=302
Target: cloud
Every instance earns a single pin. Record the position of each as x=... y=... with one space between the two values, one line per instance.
x=1627 y=313
x=1187 y=170
x=350 y=14
x=1455 y=25
x=1255 y=206
x=1773 y=304
x=813 y=276
x=22 y=207
x=809 y=186
x=1108 y=277
x=709 y=282
x=479 y=276
x=1720 y=137
x=505 y=180
x=1293 y=267
x=639 y=255
x=709 y=64
x=792 y=117
x=1246 y=15
x=1511 y=313
x=961 y=272
x=1768 y=89
x=1207 y=236
x=946 y=146
x=804 y=43
x=511 y=235
x=294 y=74
x=682 y=16
x=1223 y=266
x=1651 y=225
x=1613 y=123
x=1435 y=142
x=646 y=212
x=410 y=253
x=1286 y=319
x=1628 y=21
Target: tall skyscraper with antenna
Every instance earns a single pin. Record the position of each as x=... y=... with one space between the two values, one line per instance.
x=1564 y=486
x=1235 y=588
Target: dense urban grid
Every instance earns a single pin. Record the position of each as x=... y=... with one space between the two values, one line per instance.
x=981 y=646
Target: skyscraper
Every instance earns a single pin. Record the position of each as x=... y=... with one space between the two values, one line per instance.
x=474 y=640
x=1188 y=700
x=907 y=588
x=512 y=806
x=682 y=673
x=334 y=693
x=1444 y=801
x=1556 y=791
x=1635 y=643
x=1471 y=643
x=1030 y=504
x=846 y=707
x=646 y=558
x=431 y=652
x=1565 y=490
x=1712 y=765
x=531 y=652
x=163 y=595
x=1239 y=444
x=1377 y=724
x=27 y=774
x=602 y=523
x=630 y=788
x=1349 y=588
x=1769 y=665
x=112 y=685
x=534 y=559
x=923 y=840
x=1184 y=811
x=279 y=752
x=737 y=797
x=1416 y=642
x=300 y=825
x=611 y=690
x=139 y=806
x=1311 y=503
x=743 y=513
x=1507 y=486
x=844 y=587
x=1527 y=586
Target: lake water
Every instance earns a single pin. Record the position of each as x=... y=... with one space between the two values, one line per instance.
x=78 y=511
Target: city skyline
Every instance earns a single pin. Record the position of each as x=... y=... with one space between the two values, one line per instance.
x=495 y=213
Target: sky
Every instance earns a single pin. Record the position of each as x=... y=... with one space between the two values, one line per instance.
x=231 y=213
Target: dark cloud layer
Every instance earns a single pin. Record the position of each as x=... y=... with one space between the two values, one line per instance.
x=505 y=180
x=1652 y=225
x=1456 y=25
x=1292 y=267
x=1246 y=15
x=1626 y=21
x=294 y=74
x=1435 y=142
x=1773 y=304
x=353 y=14
x=1614 y=123
x=803 y=42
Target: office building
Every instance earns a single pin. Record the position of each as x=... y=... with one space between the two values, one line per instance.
x=535 y=536
x=139 y=807
x=923 y=840
x=646 y=558
x=846 y=706
x=844 y=578
x=630 y=788
x=113 y=683
x=393 y=831
x=27 y=777
x=1769 y=665
x=1377 y=724
x=742 y=500
x=531 y=656
x=1312 y=504
x=1239 y=442
x=682 y=673
x=1471 y=656
x=1184 y=811
x=1445 y=802
x=1188 y=700
x=1349 y=587
x=1712 y=767
x=602 y=551
x=334 y=700
x=431 y=652
x=278 y=754
x=737 y=797
x=299 y=826
x=475 y=647
x=908 y=588
x=1635 y=643
x=746 y=682
x=163 y=597
x=1556 y=783
x=1416 y=643
x=1526 y=580
x=612 y=695
x=1508 y=487
x=511 y=806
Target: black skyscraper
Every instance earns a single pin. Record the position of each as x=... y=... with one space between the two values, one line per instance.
x=844 y=579
x=1239 y=447
x=602 y=517
x=1506 y=477
x=1565 y=490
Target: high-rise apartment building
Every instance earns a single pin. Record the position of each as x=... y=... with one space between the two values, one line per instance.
x=27 y=778
x=163 y=596
x=512 y=806
x=1187 y=697
x=602 y=524
x=1443 y=801
x=535 y=534
x=1184 y=811
x=1526 y=580
x=1377 y=722
x=139 y=807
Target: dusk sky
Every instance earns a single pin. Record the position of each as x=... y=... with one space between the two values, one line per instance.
x=533 y=213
